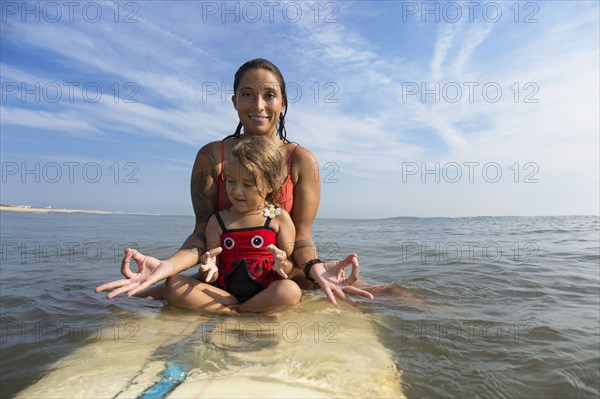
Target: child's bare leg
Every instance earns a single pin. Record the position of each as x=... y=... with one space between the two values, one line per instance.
x=277 y=294
x=189 y=293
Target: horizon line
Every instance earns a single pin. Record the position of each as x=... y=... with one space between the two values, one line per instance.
x=49 y=209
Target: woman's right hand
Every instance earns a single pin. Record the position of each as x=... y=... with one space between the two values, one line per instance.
x=150 y=271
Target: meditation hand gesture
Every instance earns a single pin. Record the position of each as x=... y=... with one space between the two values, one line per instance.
x=280 y=262
x=331 y=278
x=150 y=270
x=209 y=264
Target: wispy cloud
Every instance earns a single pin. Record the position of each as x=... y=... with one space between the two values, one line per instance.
x=372 y=125
x=443 y=44
x=60 y=122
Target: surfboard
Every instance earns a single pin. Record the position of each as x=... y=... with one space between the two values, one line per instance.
x=310 y=351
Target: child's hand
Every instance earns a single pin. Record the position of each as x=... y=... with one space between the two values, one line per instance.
x=209 y=264
x=280 y=262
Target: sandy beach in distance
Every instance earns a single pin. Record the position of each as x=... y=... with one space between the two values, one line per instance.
x=18 y=208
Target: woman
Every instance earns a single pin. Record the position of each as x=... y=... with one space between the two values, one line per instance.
x=261 y=103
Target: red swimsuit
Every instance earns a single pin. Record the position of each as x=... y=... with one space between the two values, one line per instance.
x=245 y=264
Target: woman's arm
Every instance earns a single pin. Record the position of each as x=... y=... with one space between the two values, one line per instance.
x=286 y=234
x=307 y=193
x=204 y=199
x=204 y=191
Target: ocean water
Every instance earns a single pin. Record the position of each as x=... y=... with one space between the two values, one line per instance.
x=485 y=307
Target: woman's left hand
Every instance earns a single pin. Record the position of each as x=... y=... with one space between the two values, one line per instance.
x=331 y=278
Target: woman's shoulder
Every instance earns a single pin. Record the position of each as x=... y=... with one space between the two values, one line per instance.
x=215 y=145
x=301 y=154
x=208 y=150
x=302 y=163
x=215 y=150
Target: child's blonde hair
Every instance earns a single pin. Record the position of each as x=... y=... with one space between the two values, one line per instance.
x=261 y=158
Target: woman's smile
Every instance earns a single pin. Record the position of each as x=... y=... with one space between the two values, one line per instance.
x=259 y=118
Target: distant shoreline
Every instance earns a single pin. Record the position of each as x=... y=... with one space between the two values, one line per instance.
x=21 y=208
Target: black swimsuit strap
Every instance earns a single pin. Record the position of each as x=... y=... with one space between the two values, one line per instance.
x=218 y=216
x=267 y=222
x=222 y=224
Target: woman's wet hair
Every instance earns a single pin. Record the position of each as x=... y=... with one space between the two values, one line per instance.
x=260 y=157
x=261 y=63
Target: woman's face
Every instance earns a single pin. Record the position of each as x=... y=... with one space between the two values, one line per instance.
x=259 y=102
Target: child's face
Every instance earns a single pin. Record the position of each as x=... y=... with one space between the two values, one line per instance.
x=245 y=195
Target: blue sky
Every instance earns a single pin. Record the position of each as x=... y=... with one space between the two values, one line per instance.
x=412 y=108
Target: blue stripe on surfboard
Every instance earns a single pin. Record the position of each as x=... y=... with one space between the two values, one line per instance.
x=176 y=371
x=172 y=376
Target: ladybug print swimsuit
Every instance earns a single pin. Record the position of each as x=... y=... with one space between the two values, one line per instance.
x=245 y=265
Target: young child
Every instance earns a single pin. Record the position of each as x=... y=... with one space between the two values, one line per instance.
x=248 y=244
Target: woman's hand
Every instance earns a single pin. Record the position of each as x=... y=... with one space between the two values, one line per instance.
x=331 y=278
x=209 y=264
x=150 y=271
x=280 y=262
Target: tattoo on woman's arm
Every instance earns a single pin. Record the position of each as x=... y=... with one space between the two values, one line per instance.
x=300 y=246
